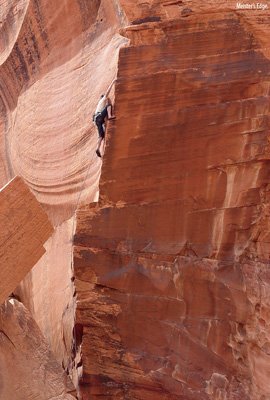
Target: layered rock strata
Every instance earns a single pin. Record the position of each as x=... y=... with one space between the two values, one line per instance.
x=171 y=264
x=24 y=228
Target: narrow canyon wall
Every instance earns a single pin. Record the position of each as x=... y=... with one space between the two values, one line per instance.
x=172 y=263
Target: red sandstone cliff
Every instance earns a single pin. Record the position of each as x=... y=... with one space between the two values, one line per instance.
x=171 y=265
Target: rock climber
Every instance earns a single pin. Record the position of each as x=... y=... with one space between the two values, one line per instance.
x=103 y=112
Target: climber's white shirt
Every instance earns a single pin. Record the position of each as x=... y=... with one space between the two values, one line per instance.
x=101 y=104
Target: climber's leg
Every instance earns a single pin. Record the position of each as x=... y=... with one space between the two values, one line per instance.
x=100 y=119
x=98 y=148
x=101 y=134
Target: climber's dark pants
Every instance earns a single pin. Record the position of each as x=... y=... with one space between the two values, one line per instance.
x=100 y=120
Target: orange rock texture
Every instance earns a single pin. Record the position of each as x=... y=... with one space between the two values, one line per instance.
x=172 y=263
x=24 y=228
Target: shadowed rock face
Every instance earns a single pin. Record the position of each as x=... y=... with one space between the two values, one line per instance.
x=171 y=265
x=23 y=350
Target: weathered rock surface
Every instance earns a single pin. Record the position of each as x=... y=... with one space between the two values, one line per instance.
x=23 y=350
x=24 y=228
x=172 y=264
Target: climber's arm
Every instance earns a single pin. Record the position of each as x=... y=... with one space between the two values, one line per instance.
x=110 y=88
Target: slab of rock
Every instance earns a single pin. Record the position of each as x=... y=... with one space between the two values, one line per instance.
x=24 y=228
x=24 y=351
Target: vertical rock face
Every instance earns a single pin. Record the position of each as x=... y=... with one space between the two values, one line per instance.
x=24 y=228
x=171 y=264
